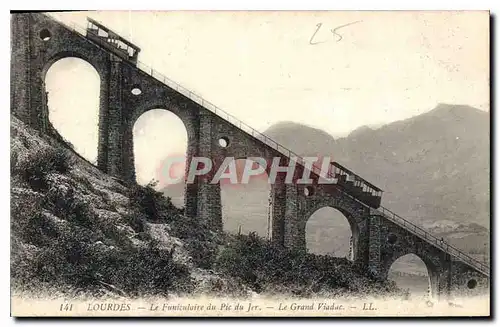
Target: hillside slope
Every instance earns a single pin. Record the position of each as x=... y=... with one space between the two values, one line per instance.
x=74 y=226
x=76 y=230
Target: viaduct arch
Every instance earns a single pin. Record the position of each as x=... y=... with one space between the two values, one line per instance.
x=72 y=89
x=353 y=227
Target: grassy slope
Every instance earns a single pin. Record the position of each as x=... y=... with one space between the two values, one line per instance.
x=87 y=212
x=76 y=230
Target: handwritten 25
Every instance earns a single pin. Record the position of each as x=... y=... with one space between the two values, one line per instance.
x=335 y=32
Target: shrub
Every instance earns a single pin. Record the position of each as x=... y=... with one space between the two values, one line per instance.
x=148 y=270
x=37 y=163
x=116 y=236
x=67 y=204
x=137 y=220
x=29 y=224
x=153 y=204
x=201 y=242
x=149 y=205
x=265 y=266
x=75 y=261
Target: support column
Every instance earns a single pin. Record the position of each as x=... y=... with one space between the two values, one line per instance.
x=209 y=198
x=294 y=236
x=128 y=153
x=374 y=264
x=447 y=291
x=192 y=125
x=434 y=284
x=443 y=288
x=191 y=189
x=115 y=127
x=28 y=98
x=102 y=147
x=278 y=192
x=361 y=241
x=20 y=65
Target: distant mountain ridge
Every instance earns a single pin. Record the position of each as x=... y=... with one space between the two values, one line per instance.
x=444 y=153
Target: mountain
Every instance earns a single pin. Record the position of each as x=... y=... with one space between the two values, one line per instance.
x=302 y=139
x=433 y=168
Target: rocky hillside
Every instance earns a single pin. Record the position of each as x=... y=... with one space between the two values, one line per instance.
x=78 y=231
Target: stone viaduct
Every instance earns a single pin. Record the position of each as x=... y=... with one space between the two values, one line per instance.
x=379 y=236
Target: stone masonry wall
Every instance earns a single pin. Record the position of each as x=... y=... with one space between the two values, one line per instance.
x=395 y=241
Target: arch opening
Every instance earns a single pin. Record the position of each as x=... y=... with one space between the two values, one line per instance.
x=392 y=239
x=72 y=87
x=328 y=232
x=308 y=190
x=160 y=143
x=136 y=90
x=411 y=274
x=223 y=142
x=247 y=207
x=471 y=283
x=45 y=35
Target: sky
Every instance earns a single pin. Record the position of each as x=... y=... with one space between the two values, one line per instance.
x=335 y=71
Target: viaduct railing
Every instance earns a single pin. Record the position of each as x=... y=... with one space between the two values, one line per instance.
x=444 y=246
